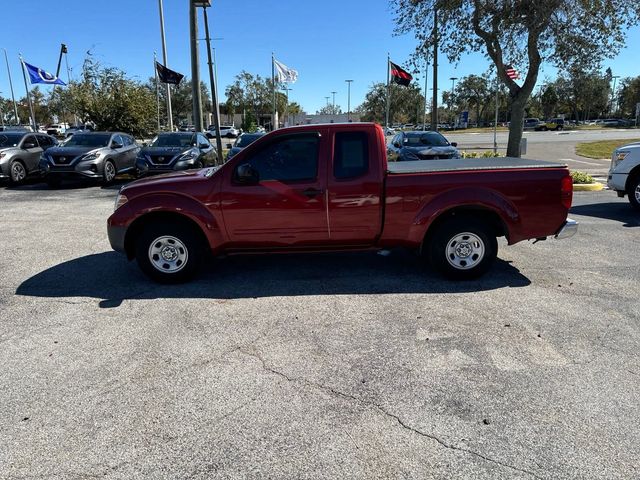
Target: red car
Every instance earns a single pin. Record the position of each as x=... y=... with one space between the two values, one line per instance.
x=329 y=187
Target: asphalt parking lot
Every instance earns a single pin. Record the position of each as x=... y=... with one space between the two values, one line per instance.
x=315 y=366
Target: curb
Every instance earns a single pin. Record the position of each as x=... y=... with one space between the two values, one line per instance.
x=587 y=187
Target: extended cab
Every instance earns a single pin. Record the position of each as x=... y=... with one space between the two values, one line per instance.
x=329 y=187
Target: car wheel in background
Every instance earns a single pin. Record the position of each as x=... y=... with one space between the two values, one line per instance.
x=198 y=165
x=462 y=248
x=169 y=252
x=633 y=191
x=17 y=172
x=108 y=172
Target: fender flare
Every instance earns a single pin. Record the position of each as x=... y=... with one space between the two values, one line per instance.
x=461 y=198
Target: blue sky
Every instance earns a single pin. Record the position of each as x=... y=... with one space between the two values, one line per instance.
x=327 y=41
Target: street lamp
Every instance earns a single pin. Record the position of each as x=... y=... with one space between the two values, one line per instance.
x=613 y=92
x=349 y=99
x=453 y=88
x=327 y=100
x=334 y=102
x=286 y=105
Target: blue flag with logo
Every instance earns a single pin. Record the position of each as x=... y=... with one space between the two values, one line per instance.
x=38 y=75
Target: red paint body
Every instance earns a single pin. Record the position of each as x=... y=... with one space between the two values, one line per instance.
x=376 y=210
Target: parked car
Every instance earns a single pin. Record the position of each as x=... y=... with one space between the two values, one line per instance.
x=242 y=142
x=57 y=129
x=20 y=154
x=94 y=155
x=187 y=128
x=329 y=187
x=531 y=123
x=175 y=151
x=228 y=131
x=83 y=128
x=420 y=145
x=552 y=124
x=624 y=173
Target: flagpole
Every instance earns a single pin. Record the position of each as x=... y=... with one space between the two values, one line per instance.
x=66 y=61
x=274 y=123
x=155 y=71
x=15 y=107
x=495 y=122
x=26 y=87
x=386 y=121
x=426 y=77
x=166 y=64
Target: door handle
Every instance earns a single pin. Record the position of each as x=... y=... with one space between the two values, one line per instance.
x=311 y=192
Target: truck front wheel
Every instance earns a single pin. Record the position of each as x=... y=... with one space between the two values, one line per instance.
x=633 y=191
x=462 y=248
x=169 y=252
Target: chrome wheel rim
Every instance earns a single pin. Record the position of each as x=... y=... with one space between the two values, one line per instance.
x=637 y=193
x=465 y=251
x=168 y=254
x=18 y=172
x=109 y=171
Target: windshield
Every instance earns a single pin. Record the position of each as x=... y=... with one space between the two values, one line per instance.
x=10 y=139
x=95 y=141
x=418 y=139
x=246 y=139
x=172 y=140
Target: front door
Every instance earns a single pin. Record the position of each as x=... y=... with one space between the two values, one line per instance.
x=287 y=206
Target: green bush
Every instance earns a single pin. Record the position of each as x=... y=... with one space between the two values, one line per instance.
x=581 y=177
x=485 y=154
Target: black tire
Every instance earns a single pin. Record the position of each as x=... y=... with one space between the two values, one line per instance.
x=53 y=182
x=559 y=127
x=633 y=192
x=476 y=248
x=109 y=172
x=17 y=172
x=182 y=241
x=198 y=165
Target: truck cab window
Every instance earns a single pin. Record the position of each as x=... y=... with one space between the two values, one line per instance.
x=351 y=155
x=292 y=159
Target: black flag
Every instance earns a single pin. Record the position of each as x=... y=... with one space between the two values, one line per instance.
x=399 y=75
x=167 y=75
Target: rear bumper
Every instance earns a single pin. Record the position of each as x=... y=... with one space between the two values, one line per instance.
x=568 y=229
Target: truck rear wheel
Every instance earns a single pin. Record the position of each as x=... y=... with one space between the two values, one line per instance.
x=462 y=248
x=169 y=252
x=633 y=191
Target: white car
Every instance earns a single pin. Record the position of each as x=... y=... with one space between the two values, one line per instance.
x=624 y=174
x=228 y=131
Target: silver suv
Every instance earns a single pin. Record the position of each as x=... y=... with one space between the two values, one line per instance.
x=95 y=155
x=20 y=153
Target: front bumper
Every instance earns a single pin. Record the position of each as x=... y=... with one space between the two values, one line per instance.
x=568 y=230
x=116 y=234
x=79 y=170
x=617 y=181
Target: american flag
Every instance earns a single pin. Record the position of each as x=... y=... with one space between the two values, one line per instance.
x=511 y=72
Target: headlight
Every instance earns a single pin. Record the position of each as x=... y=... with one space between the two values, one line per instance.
x=409 y=155
x=121 y=199
x=2 y=154
x=620 y=156
x=90 y=156
x=187 y=156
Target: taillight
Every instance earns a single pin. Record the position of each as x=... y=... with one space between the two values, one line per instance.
x=566 y=191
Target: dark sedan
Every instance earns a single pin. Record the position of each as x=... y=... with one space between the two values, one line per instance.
x=242 y=142
x=175 y=151
x=412 y=146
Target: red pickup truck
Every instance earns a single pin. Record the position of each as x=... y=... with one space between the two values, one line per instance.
x=328 y=188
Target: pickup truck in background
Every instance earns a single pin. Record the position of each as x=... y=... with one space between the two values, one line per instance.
x=624 y=173
x=329 y=187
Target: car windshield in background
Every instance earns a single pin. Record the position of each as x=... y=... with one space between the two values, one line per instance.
x=10 y=139
x=247 y=139
x=80 y=140
x=172 y=140
x=431 y=139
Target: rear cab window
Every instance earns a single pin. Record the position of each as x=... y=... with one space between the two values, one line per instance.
x=350 y=155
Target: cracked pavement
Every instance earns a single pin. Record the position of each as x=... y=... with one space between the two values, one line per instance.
x=315 y=366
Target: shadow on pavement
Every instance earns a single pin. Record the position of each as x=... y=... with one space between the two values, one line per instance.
x=109 y=277
x=36 y=184
x=618 y=211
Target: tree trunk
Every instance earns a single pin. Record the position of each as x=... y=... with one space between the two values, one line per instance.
x=517 y=123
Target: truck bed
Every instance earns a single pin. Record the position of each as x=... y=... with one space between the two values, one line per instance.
x=461 y=164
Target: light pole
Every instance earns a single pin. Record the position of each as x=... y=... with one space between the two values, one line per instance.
x=215 y=105
x=327 y=100
x=166 y=64
x=349 y=99
x=613 y=92
x=453 y=88
x=334 y=102
x=1 y=113
x=13 y=97
x=195 y=62
x=286 y=105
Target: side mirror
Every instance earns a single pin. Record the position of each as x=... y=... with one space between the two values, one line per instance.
x=116 y=145
x=204 y=145
x=396 y=144
x=247 y=175
x=454 y=144
x=29 y=145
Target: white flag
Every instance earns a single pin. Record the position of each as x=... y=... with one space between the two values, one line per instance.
x=284 y=73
